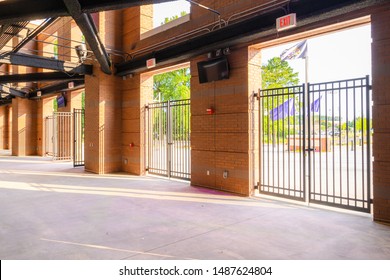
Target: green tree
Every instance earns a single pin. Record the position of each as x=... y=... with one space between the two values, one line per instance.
x=361 y=124
x=278 y=74
x=172 y=85
x=167 y=19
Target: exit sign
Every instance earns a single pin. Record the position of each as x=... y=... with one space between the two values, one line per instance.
x=286 y=22
x=150 y=63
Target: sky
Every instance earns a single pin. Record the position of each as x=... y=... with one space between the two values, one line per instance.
x=332 y=57
x=169 y=9
x=335 y=56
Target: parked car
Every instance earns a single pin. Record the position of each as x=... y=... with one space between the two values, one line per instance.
x=334 y=133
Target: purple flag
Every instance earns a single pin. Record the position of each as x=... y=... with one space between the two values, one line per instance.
x=297 y=51
x=315 y=106
x=284 y=110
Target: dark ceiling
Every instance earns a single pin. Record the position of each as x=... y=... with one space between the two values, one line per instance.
x=16 y=14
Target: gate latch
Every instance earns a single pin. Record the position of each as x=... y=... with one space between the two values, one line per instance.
x=309 y=150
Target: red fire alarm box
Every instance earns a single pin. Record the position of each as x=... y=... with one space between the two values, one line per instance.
x=210 y=111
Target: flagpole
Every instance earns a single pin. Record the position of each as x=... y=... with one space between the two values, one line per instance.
x=307 y=129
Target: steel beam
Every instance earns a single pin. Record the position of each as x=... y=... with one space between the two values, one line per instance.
x=34 y=34
x=103 y=5
x=5 y=101
x=40 y=77
x=21 y=10
x=56 y=88
x=46 y=63
x=3 y=28
x=87 y=26
x=12 y=91
x=244 y=31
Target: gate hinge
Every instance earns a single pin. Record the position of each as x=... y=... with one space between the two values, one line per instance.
x=369 y=87
x=371 y=201
x=257 y=186
x=256 y=95
x=146 y=106
x=147 y=169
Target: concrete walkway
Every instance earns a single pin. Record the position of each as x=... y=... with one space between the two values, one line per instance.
x=49 y=210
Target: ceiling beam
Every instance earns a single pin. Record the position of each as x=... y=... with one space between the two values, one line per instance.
x=26 y=10
x=12 y=91
x=244 y=31
x=45 y=63
x=40 y=77
x=103 y=5
x=56 y=88
x=34 y=34
x=21 y=10
x=3 y=28
x=5 y=100
x=89 y=30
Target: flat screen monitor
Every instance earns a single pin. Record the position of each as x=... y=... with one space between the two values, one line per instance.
x=213 y=70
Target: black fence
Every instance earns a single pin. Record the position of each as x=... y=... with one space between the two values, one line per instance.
x=316 y=143
x=168 y=139
x=78 y=137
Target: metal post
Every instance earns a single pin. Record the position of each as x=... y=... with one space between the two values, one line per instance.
x=307 y=136
x=368 y=105
x=168 y=139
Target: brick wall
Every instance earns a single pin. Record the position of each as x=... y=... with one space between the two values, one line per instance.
x=254 y=83
x=8 y=130
x=381 y=113
x=103 y=106
x=24 y=117
x=135 y=93
x=2 y=126
x=220 y=142
x=24 y=127
x=44 y=109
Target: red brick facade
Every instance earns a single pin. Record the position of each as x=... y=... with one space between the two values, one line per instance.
x=381 y=99
x=224 y=141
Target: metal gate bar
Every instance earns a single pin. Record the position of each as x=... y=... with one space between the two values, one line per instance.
x=168 y=139
x=62 y=128
x=282 y=128
x=329 y=130
x=341 y=126
x=78 y=137
x=49 y=136
x=157 y=138
x=180 y=139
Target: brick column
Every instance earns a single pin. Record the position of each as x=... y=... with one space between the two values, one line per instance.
x=24 y=127
x=221 y=141
x=380 y=26
x=103 y=105
x=2 y=126
x=44 y=109
x=254 y=83
x=136 y=92
x=8 y=129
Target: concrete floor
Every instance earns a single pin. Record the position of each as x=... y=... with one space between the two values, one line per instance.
x=49 y=210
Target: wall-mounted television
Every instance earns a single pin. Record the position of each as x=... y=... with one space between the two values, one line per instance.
x=61 y=101
x=213 y=70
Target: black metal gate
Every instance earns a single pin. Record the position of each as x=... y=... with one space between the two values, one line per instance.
x=316 y=143
x=78 y=137
x=168 y=139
